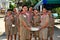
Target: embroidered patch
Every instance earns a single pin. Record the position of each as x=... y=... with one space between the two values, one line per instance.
x=24 y=16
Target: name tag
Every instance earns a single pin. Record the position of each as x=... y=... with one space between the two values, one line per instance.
x=13 y=25
x=24 y=16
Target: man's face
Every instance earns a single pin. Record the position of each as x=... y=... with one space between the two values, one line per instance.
x=25 y=8
x=44 y=10
x=14 y=10
x=30 y=9
x=9 y=13
x=49 y=12
x=35 y=11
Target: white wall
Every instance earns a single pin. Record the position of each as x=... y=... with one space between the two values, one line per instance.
x=4 y=4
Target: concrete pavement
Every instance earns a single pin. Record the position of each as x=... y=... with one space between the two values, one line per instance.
x=56 y=35
x=2 y=26
x=2 y=15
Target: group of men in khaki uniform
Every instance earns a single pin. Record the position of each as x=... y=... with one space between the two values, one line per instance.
x=12 y=24
x=22 y=22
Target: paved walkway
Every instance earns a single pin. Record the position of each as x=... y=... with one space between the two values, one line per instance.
x=2 y=15
x=2 y=26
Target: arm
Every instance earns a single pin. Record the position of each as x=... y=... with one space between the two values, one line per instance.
x=25 y=25
x=24 y=22
x=45 y=25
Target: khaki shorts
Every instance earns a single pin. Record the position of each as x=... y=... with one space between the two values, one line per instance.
x=50 y=32
x=44 y=33
x=14 y=30
x=22 y=33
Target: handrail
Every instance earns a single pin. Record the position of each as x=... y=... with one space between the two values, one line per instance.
x=38 y=4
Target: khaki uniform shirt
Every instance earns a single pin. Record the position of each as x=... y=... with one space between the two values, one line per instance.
x=51 y=21
x=8 y=24
x=44 y=18
x=44 y=32
x=23 y=31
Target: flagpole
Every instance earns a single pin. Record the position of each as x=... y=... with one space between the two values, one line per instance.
x=41 y=5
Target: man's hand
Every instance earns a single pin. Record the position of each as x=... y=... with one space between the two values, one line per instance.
x=29 y=29
x=40 y=28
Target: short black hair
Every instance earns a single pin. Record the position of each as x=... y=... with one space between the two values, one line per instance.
x=9 y=10
x=43 y=8
x=35 y=9
x=24 y=5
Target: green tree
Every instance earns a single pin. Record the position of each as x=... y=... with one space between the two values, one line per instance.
x=57 y=10
x=11 y=6
x=30 y=2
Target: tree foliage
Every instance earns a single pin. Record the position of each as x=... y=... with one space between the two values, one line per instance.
x=12 y=6
x=57 y=10
x=30 y=2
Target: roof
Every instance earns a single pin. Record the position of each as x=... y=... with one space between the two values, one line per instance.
x=51 y=1
x=47 y=2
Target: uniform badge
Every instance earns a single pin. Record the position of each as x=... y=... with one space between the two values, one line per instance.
x=13 y=25
x=24 y=16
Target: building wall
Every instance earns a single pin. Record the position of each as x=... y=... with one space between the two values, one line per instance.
x=4 y=4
